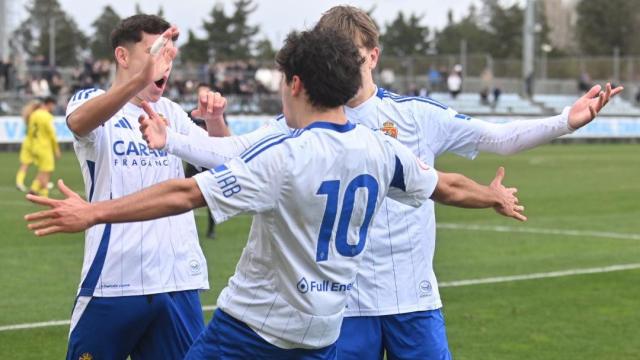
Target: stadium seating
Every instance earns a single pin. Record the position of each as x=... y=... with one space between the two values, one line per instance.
x=617 y=107
x=508 y=104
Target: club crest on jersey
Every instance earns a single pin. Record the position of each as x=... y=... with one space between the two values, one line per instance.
x=389 y=128
x=86 y=356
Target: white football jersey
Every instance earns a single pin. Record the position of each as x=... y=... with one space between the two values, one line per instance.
x=137 y=258
x=314 y=194
x=396 y=275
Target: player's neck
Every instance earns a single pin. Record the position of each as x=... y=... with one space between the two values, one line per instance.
x=367 y=90
x=122 y=78
x=312 y=115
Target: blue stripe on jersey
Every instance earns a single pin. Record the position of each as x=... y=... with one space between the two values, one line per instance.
x=261 y=143
x=280 y=117
x=398 y=176
x=382 y=93
x=348 y=126
x=91 y=165
x=275 y=142
x=219 y=168
x=91 y=280
x=81 y=92
x=89 y=92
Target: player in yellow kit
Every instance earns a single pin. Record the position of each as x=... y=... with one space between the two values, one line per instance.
x=26 y=159
x=44 y=145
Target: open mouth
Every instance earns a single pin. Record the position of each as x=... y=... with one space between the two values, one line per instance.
x=160 y=83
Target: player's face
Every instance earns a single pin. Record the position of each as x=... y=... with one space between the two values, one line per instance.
x=139 y=54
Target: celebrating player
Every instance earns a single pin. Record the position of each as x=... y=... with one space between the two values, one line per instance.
x=395 y=298
x=139 y=289
x=313 y=193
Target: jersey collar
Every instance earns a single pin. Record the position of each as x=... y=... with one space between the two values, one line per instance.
x=331 y=126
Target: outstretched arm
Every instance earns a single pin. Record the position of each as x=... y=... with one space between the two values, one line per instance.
x=453 y=132
x=74 y=214
x=460 y=191
x=196 y=147
x=96 y=111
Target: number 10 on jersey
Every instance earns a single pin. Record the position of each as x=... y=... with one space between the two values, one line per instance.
x=332 y=190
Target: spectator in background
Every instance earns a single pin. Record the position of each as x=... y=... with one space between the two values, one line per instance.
x=434 y=78
x=496 y=95
x=584 y=82
x=4 y=76
x=486 y=79
x=454 y=81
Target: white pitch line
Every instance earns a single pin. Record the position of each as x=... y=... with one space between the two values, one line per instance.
x=507 y=229
x=491 y=280
x=552 y=274
x=62 y=322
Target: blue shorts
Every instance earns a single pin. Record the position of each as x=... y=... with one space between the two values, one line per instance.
x=227 y=338
x=158 y=326
x=417 y=335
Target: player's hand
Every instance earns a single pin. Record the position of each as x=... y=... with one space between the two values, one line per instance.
x=585 y=109
x=58 y=154
x=508 y=204
x=159 y=64
x=153 y=128
x=72 y=214
x=211 y=107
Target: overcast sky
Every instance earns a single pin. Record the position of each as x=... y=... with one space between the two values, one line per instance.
x=275 y=17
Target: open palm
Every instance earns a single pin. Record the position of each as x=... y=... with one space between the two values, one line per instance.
x=585 y=109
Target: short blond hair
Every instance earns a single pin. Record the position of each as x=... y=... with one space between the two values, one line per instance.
x=353 y=22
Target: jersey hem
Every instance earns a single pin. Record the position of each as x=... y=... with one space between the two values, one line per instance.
x=393 y=310
x=151 y=291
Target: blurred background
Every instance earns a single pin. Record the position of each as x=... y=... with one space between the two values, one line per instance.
x=564 y=285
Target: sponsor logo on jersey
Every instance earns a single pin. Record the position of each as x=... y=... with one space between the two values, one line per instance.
x=86 y=356
x=425 y=288
x=303 y=286
x=144 y=156
x=322 y=286
x=123 y=123
x=390 y=129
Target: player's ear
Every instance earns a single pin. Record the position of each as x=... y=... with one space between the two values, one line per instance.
x=296 y=85
x=374 y=56
x=122 y=56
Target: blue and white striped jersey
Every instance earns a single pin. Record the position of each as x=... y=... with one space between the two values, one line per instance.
x=314 y=193
x=137 y=258
x=396 y=276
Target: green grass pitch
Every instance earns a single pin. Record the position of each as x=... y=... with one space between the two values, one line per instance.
x=588 y=188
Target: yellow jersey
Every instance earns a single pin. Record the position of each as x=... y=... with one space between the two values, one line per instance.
x=41 y=133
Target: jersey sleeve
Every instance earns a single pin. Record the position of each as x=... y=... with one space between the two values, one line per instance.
x=75 y=102
x=413 y=181
x=447 y=130
x=249 y=184
x=450 y=131
x=209 y=152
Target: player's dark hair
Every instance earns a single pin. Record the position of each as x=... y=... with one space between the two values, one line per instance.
x=327 y=62
x=49 y=100
x=130 y=30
